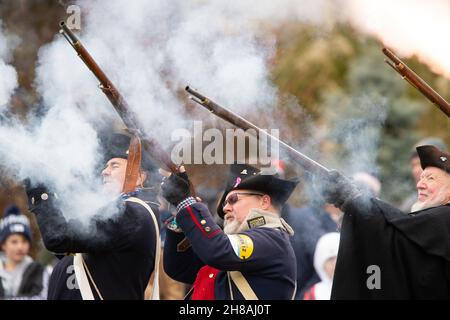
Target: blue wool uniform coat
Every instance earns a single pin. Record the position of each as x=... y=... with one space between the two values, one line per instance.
x=270 y=269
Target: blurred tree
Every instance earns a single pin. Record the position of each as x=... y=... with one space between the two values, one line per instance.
x=371 y=117
x=311 y=61
x=375 y=129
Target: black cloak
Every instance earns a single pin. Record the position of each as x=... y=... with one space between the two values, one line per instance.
x=410 y=252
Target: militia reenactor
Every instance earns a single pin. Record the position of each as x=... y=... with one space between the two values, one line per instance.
x=251 y=258
x=115 y=257
x=387 y=254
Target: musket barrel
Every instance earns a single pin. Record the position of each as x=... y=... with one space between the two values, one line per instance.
x=235 y=119
x=68 y=32
x=417 y=82
x=222 y=112
x=120 y=105
x=391 y=55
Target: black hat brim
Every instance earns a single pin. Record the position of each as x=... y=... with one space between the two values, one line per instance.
x=117 y=145
x=278 y=189
x=430 y=156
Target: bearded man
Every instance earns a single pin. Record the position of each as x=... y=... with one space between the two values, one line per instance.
x=252 y=258
x=387 y=254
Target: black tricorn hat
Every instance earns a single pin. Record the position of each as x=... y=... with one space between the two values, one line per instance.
x=117 y=146
x=430 y=156
x=246 y=177
x=429 y=141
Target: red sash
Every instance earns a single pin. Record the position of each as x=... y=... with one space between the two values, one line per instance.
x=205 y=283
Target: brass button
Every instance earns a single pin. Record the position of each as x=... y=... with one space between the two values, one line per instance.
x=207 y=229
x=211 y=275
x=44 y=196
x=203 y=222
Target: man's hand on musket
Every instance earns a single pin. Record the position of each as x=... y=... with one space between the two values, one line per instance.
x=336 y=188
x=175 y=186
x=35 y=192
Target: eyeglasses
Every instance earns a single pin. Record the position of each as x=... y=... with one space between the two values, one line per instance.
x=234 y=197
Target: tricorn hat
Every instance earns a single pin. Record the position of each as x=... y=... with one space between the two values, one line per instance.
x=430 y=156
x=246 y=177
x=429 y=141
x=117 y=145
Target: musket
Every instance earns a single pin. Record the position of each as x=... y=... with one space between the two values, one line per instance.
x=149 y=144
x=417 y=82
x=307 y=163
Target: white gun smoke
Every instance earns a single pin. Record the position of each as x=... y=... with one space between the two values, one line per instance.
x=151 y=50
x=8 y=75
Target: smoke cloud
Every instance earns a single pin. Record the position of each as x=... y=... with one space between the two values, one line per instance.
x=151 y=50
x=8 y=78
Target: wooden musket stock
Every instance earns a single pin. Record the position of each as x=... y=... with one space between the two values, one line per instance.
x=150 y=145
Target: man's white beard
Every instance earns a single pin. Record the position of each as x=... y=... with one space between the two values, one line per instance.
x=440 y=199
x=418 y=206
x=231 y=227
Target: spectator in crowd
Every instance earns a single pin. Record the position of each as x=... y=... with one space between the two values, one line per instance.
x=20 y=276
x=324 y=262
